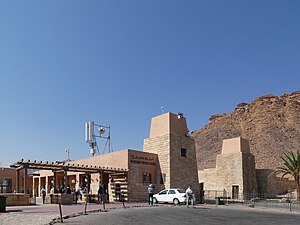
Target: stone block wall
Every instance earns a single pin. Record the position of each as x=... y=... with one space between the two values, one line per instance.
x=234 y=167
x=229 y=171
x=249 y=174
x=160 y=145
x=138 y=192
x=168 y=139
x=17 y=199
x=209 y=178
x=183 y=169
x=270 y=184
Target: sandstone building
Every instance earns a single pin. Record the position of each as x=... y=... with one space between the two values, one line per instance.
x=127 y=172
x=270 y=123
x=170 y=140
x=168 y=161
x=235 y=152
x=235 y=170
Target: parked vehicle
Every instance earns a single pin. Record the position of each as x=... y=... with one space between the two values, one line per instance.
x=173 y=195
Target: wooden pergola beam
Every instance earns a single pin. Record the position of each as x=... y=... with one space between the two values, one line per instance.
x=21 y=164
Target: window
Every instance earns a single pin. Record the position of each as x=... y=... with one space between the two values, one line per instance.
x=146 y=177
x=6 y=186
x=183 y=152
x=164 y=192
x=171 y=192
x=182 y=191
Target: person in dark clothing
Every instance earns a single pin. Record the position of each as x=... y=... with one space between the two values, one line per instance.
x=69 y=191
x=118 y=192
x=100 y=194
x=62 y=189
x=43 y=194
x=150 y=194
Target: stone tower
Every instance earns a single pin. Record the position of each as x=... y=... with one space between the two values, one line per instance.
x=170 y=140
x=235 y=170
x=236 y=154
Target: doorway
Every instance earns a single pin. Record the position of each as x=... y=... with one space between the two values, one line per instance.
x=235 y=192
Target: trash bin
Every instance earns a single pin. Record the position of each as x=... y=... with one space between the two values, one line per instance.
x=2 y=203
x=218 y=200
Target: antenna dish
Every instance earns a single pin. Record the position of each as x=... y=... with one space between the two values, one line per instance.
x=101 y=130
x=90 y=137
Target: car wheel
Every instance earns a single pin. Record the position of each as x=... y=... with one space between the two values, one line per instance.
x=176 y=201
x=155 y=200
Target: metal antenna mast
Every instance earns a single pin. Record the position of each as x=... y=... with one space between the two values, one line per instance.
x=90 y=137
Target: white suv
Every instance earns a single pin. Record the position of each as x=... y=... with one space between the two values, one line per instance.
x=173 y=195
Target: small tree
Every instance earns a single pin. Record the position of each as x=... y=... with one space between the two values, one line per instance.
x=291 y=167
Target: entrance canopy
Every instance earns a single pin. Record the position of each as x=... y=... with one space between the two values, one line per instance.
x=62 y=167
x=65 y=166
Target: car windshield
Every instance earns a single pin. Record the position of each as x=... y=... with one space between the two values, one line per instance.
x=181 y=190
x=164 y=192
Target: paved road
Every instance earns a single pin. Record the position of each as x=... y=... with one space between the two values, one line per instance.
x=43 y=214
x=202 y=215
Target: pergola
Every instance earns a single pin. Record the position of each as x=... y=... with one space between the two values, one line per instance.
x=61 y=167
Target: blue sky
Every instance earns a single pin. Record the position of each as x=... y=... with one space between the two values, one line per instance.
x=63 y=63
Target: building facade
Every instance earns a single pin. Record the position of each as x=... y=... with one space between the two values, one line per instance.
x=139 y=167
x=168 y=160
x=235 y=170
x=170 y=141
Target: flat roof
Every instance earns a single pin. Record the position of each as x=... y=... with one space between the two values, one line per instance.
x=64 y=166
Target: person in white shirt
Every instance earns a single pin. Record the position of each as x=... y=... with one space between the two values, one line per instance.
x=189 y=196
x=51 y=194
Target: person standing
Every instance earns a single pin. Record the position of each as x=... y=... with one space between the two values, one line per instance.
x=68 y=191
x=100 y=194
x=51 y=194
x=189 y=196
x=201 y=196
x=150 y=194
x=43 y=194
x=79 y=193
x=118 y=192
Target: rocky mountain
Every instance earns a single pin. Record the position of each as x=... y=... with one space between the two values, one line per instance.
x=270 y=123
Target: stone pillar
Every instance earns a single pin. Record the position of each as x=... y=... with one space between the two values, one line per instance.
x=33 y=186
x=48 y=184
x=65 y=180
x=77 y=178
x=39 y=188
x=25 y=180
x=101 y=177
x=88 y=180
x=17 y=181
x=54 y=181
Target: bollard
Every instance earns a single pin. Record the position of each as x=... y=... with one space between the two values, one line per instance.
x=290 y=202
x=227 y=197
x=60 y=212
x=86 y=201
x=122 y=196
x=103 y=201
